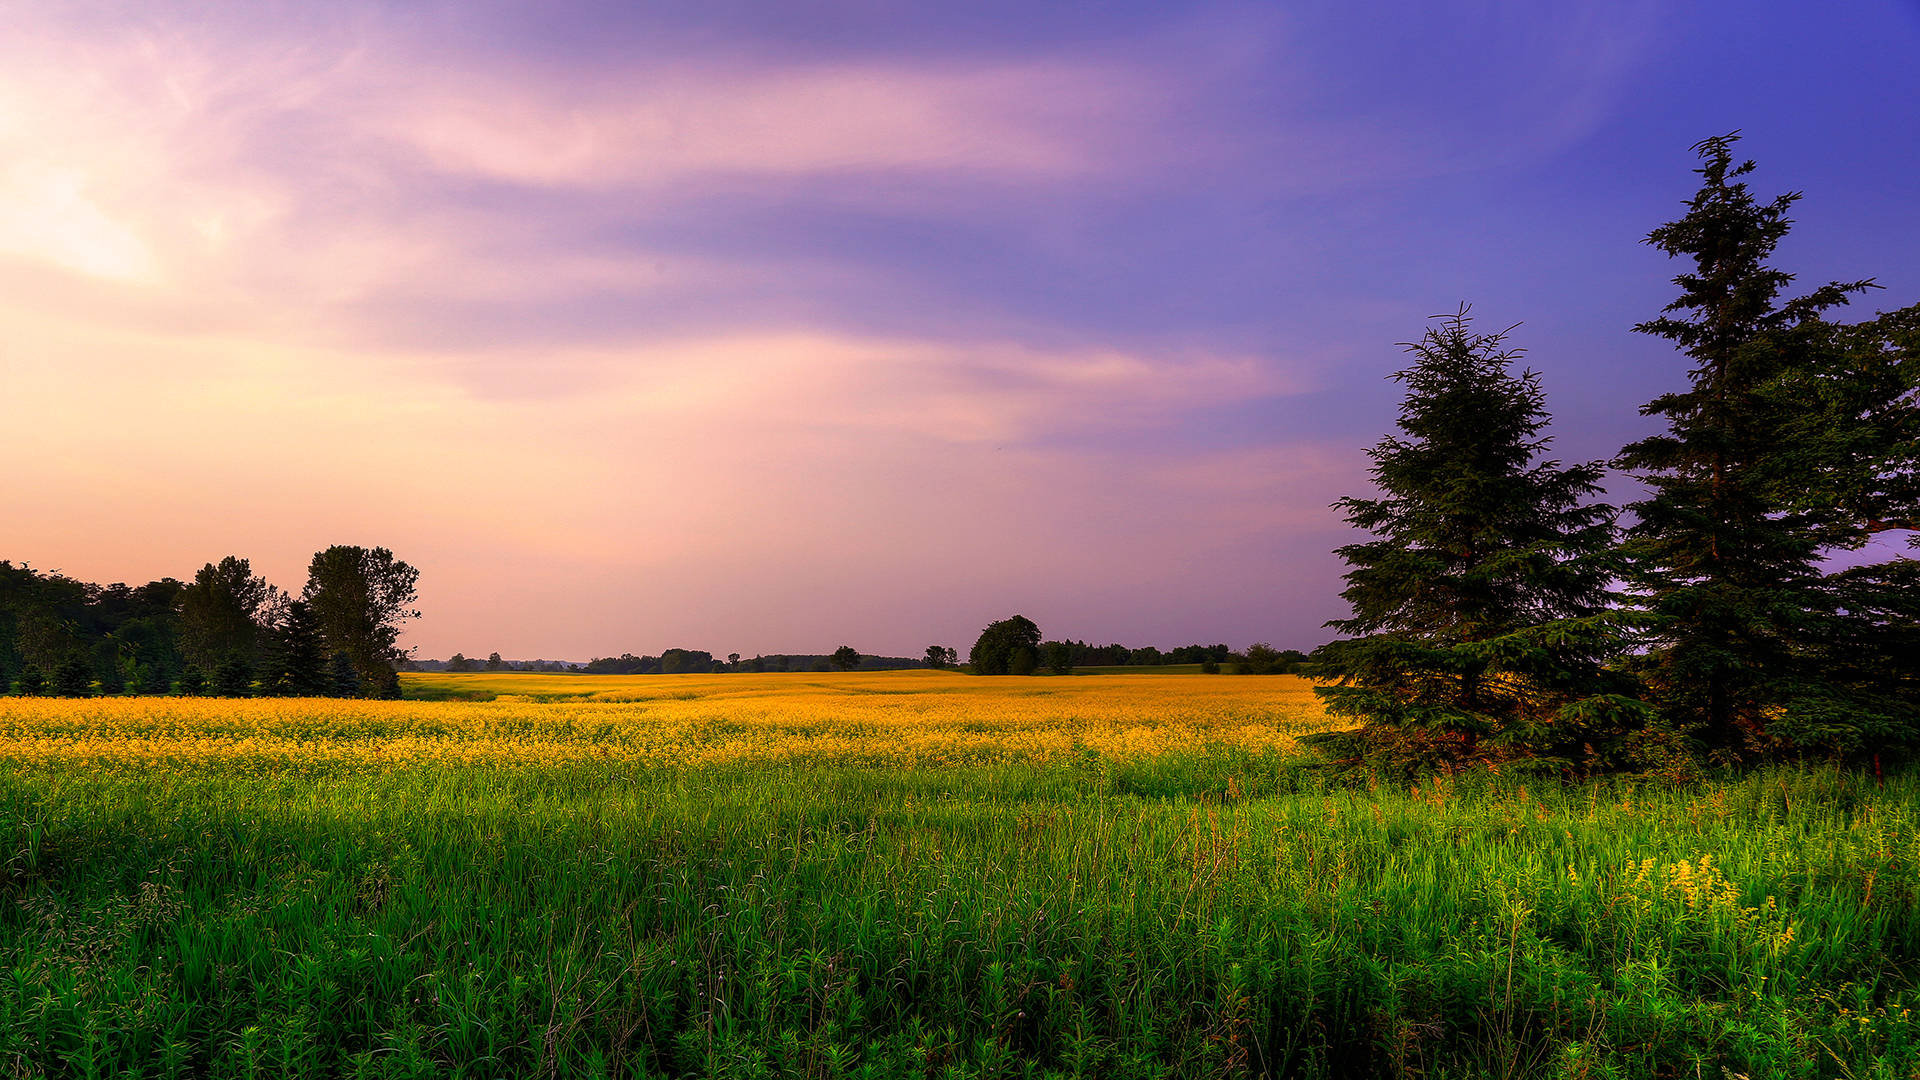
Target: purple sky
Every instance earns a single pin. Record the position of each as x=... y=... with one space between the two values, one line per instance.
x=773 y=327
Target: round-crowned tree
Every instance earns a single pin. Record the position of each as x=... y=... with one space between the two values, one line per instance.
x=1008 y=647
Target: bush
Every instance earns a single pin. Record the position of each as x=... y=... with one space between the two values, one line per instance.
x=1059 y=657
x=193 y=681
x=32 y=682
x=234 y=678
x=74 y=678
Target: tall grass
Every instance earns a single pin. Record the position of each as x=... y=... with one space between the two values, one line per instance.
x=1219 y=914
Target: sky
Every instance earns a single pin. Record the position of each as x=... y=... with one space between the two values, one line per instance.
x=773 y=327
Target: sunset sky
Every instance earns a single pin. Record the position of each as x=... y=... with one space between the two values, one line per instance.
x=772 y=327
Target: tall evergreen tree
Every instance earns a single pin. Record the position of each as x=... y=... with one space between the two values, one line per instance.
x=296 y=663
x=1482 y=603
x=1795 y=438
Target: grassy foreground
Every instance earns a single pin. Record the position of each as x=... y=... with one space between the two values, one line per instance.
x=1207 y=910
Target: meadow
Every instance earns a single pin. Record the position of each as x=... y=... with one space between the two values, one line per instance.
x=913 y=874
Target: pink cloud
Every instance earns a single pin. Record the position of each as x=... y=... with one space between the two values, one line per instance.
x=1040 y=121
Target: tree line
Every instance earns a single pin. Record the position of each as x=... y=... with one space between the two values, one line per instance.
x=1013 y=646
x=227 y=632
x=1058 y=657
x=1502 y=612
x=699 y=661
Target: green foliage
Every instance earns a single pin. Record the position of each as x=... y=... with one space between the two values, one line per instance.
x=221 y=612
x=73 y=678
x=685 y=662
x=846 y=658
x=1203 y=917
x=227 y=622
x=940 y=656
x=362 y=598
x=108 y=668
x=1008 y=647
x=1482 y=602
x=233 y=678
x=296 y=663
x=343 y=676
x=1264 y=659
x=1796 y=439
x=1059 y=657
x=32 y=682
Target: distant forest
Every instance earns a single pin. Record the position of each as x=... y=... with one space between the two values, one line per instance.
x=1051 y=655
x=227 y=632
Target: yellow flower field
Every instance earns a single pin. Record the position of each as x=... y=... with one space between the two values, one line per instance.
x=896 y=719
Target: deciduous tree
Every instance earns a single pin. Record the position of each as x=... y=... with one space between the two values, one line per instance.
x=1059 y=656
x=221 y=613
x=1008 y=647
x=363 y=598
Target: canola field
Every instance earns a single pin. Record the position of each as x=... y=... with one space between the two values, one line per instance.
x=907 y=719
x=913 y=874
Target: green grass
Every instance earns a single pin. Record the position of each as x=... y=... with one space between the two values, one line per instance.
x=1187 y=917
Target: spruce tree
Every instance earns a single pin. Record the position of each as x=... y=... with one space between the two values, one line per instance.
x=193 y=681
x=1482 y=603
x=296 y=663
x=1795 y=438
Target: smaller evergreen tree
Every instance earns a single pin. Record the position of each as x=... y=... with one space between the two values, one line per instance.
x=32 y=682
x=109 y=668
x=193 y=681
x=233 y=678
x=344 y=676
x=153 y=678
x=297 y=658
x=1480 y=608
x=73 y=678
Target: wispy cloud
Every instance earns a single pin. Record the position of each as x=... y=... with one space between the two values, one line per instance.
x=688 y=123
